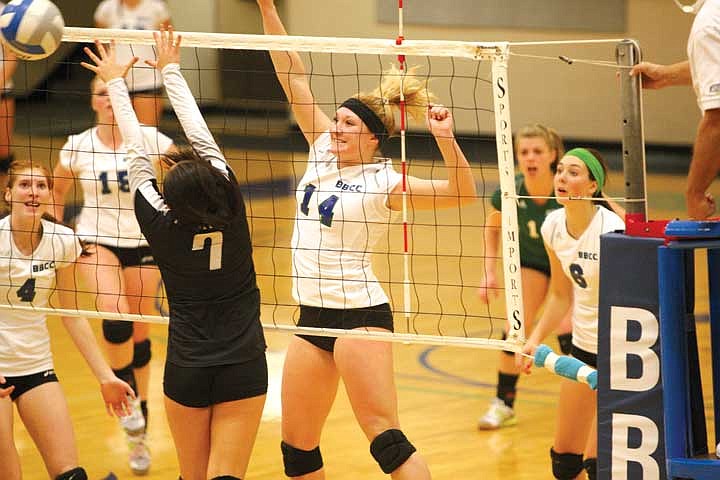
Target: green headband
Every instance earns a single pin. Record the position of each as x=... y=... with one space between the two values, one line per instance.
x=592 y=163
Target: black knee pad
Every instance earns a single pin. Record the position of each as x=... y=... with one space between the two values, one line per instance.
x=77 y=473
x=391 y=449
x=117 y=331
x=226 y=477
x=565 y=342
x=5 y=163
x=566 y=466
x=141 y=353
x=300 y=462
x=590 y=466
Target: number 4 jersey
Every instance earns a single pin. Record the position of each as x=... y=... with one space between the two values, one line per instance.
x=580 y=259
x=29 y=280
x=107 y=216
x=341 y=215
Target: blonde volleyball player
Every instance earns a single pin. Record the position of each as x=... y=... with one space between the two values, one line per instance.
x=345 y=201
x=537 y=149
x=36 y=258
x=572 y=238
x=121 y=268
x=215 y=374
x=144 y=83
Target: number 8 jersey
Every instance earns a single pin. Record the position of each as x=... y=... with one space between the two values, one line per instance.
x=340 y=216
x=29 y=280
x=580 y=259
x=107 y=216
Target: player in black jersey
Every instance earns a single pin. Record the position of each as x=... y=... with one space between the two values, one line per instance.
x=215 y=373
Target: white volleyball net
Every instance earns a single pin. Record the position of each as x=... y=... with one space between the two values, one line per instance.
x=430 y=263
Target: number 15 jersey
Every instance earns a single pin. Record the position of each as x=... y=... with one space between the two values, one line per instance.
x=341 y=214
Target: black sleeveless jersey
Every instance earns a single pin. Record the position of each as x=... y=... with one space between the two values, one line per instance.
x=208 y=273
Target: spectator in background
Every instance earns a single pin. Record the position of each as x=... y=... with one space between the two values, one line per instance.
x=144 y=83
x=8 y=60
x=702 y=70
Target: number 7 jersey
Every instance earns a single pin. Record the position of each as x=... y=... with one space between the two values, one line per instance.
x=340 y=216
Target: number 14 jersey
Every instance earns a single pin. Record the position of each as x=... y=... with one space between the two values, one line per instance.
x=341 y=215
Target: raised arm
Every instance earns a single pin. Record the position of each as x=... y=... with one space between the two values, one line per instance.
x=290 y=72
x=182 y=99
x=105 y=66
x=458 y=189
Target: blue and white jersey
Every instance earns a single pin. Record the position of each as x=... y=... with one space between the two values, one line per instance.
x=29 y=280
x=580 y=259
x=341 y=214
x=107 y=216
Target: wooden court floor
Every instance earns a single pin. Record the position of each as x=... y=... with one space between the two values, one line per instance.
x=442 y=390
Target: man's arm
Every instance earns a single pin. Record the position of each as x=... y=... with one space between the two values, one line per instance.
x=656 y=76
x=704 y=167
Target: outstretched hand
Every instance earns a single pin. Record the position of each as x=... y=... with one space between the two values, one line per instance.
x=115 y=393
x=106 y=66
x=168 y=48
x=440 y=121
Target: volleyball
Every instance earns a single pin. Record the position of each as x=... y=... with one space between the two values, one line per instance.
x=32 y=29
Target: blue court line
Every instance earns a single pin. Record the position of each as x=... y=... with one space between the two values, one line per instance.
x=424 y=360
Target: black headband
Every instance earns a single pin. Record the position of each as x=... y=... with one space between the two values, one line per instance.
x=369 y=118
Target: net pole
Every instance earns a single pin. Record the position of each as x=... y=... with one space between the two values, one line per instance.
x=627 y=54
x=506 y=169
x=403 y=161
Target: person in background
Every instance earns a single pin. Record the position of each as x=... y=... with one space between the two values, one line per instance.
x=537 y=149
x=144 y=82
x=702 y=70
x=121 y=268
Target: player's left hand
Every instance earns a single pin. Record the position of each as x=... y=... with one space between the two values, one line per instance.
x=106 y=66
x=440 y=121
x=116 y=394
x=168 y=48
x=700 y=207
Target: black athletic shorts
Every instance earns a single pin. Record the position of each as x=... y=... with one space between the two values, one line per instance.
x=346 y=319
x=132 y=257
x=25 y=383
x=201 y=387
x=584 y=356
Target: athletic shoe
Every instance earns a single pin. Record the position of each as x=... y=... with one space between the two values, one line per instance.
x=133 y=424
x=498 y=415
x=139 y=454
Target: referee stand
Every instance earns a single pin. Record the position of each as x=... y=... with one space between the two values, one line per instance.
x=686 y=439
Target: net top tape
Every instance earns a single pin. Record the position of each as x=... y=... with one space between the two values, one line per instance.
x=435 y=48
